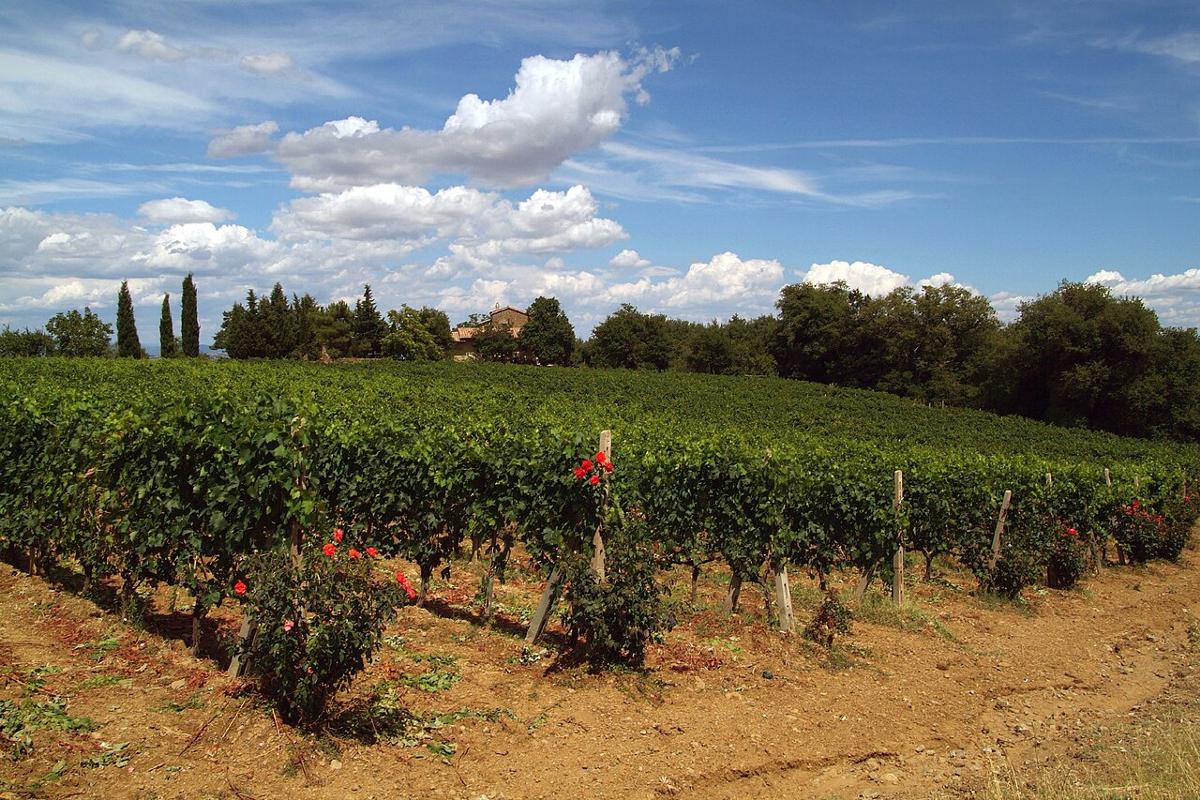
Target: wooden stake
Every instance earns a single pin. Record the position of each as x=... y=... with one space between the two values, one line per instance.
x=783 y=595
x=1049 y=479
x=542 y=614
x=860 y=591
x=238 y=665
x=597 y=538
x=999 y=530
x=1137 y=482
x=898 y=557
x=735 y=591
x=1107 y=477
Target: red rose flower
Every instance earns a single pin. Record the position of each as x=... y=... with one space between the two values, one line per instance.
x=354 y=553
x=338 y=534
x=595 y=480
x=601 y=457
x=372 y=552
x=1136 y=505
x=608 y=466
x=580 y=473
x=329 y=549
x=239 y=588
x=1071 y=532
x=288 y=625
x=586 y=466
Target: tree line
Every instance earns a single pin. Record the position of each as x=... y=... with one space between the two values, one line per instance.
x=84 y=333
x=299 y=327
x=1076 y=356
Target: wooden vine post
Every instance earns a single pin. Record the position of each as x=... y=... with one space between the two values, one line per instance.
x=1049 y=479
x=1107 y=478
x=898 y=557
x=597 y=537
x=541 y=614
x=783 y=596
x=999 y=530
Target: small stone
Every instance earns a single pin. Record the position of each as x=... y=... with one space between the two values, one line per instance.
x=179 y=684
x=335 y=764
x=890 y=778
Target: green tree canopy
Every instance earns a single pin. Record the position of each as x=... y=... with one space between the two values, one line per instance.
x=25 y=343
x=77 y=334
x=409 y=339
x=547 y=338
x=631 y=339
x=497 y=343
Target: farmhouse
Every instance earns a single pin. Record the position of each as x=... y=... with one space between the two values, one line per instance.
x=463 y=337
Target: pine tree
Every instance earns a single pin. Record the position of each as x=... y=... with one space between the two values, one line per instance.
x=128 y=345
x=189 y=323
x=369 y=327
x=166 y=330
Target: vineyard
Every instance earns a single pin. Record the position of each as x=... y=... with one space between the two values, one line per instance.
x=282 y=486
x=173 y=472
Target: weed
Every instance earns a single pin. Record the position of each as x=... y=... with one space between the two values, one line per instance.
x=99 y=648
x=395 y=642
x=113 y=755
x=433 y=681
x=18 y=721
x=729 y=644
x=831 y=619
x=443 y=749
x=98 y=681
x=435 y=659
x=195 y=701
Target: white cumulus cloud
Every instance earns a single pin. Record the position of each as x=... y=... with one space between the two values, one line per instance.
x=868 y=278
x=628 y=259
x=151 y=45
x=556 y=108
x=1175 y=297
x=178 y=209
x=243 y=140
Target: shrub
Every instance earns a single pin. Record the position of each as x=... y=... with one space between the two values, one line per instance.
x=1067 y=559
x=832 y=619
x=1142 y=534
x=1180 y=515
x=318 y=624
x=612 y=622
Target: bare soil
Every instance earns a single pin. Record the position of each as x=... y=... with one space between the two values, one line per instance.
x=931 y=701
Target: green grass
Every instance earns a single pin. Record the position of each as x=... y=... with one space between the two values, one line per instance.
x=880 y=610
x=98 y=681
x=1164 y=765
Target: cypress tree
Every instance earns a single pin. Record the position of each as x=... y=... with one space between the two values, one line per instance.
x=369 y=327
x=166 y=330
x=128 y=345
x=189 y=323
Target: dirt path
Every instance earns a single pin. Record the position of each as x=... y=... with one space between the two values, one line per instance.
x=727 y=710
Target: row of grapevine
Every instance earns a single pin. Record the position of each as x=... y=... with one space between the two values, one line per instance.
x=176 y=475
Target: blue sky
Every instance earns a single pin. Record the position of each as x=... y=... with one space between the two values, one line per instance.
x=687 y=158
